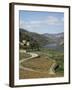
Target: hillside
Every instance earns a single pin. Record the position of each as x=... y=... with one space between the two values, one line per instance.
x=49 y=61
x=33 y=37
x=56 y=38
x=39 y=40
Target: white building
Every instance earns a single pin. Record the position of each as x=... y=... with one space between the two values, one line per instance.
x=24 y=41
x=27 y=43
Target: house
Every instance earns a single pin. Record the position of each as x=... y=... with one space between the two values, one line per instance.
x=21 y=43
x=25 y=45
x=24 y=41
x=28 y=43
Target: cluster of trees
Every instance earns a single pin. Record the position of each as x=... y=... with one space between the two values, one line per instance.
x=34 y=45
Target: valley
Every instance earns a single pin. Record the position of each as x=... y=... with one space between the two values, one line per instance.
x=50 y=51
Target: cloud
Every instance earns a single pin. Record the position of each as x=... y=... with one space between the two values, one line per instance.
x=45 y=22
x=62 y=19
x=25 y=25
x=29 y=25
x=51 y=20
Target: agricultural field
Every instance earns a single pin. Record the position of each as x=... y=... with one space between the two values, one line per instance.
x=39 y=67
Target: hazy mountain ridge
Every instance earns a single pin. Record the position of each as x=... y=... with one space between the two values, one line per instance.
x=57 y=38
x=54 y=34
x=41 y=39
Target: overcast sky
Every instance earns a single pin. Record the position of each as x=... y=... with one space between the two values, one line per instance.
x=42 y=22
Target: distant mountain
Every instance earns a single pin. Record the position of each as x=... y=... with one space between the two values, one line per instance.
x=41 y=39
x=54 y=35
x=57 y=38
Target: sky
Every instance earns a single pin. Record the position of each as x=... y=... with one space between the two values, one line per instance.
x=41 y=22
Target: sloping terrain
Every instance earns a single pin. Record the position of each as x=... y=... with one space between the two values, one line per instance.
x=41 y=39
x=32 y=37
x=56 y=38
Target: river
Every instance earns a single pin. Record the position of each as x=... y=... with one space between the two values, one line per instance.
x=54 y=46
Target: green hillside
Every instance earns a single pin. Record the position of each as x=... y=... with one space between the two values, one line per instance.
x=36 y=40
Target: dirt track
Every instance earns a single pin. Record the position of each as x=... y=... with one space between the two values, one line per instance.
x=34 y=55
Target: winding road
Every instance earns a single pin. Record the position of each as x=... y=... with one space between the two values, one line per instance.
x=34 y=55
